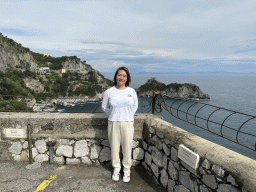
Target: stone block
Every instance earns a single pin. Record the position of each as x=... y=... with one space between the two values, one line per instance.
x=24 y=156
x=81 y=149
x=202 y=171
x=148 y=159
x=231 y=180
x=135 y=144
x=59 y=160
x=145 y=145
x=210 y=181
x=95 y=151
x=34 y=152
x=105 y=154
x=163 y=178
x=167 y=151
x=15 y=148
x=171 y=185
x=16 y=158
x=172 y=171
x=63 y=141
x=86 y=160
x=64 y=150
x=227 y=188
x=206 y=164
x=41 y=158
x=138 y=154
x=181 y=188
x=156 y=141
x=157 y=157
x=25 y=145
x=41 y=146
x=155 y=170
x=73 y=161
x=174 y=154
x=150 y=149
x=203 y=188
x=165 y=162
x=218 y=171
x=185 y=180
x=105 y=143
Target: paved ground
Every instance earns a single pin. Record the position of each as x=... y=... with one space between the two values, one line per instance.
x=23 y=177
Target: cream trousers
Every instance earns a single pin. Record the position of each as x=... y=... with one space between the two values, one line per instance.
x=120 y=133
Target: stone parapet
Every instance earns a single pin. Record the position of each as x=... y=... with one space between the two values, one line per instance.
x=82 y=138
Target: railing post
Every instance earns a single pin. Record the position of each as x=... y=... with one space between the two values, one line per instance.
x=153 y=102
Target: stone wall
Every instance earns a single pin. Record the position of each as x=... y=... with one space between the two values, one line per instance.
x=82 y=138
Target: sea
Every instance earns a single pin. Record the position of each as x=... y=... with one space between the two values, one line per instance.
x=235 y=92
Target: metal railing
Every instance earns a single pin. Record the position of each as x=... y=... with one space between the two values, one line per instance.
x=188 y=110
x=217 y=120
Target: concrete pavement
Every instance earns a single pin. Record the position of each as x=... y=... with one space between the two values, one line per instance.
x=23 y=177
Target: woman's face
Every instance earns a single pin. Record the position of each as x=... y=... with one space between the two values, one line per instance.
x=121 y=78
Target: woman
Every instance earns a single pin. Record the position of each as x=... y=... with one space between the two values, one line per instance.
x=120 y=103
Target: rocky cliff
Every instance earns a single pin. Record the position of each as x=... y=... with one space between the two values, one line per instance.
x=44 y=75
x=183 y=91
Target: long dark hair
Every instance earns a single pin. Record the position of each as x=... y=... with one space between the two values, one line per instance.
x=127 y=73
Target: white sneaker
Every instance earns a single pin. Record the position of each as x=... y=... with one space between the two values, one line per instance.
x=126 y=177
x=115 y=176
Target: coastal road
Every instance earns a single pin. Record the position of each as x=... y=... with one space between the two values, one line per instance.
x=23 y=177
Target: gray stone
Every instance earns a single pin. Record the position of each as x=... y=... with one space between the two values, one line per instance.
x=189 y=168
x=81 y=149
x=41 y=146
x=138 y=154
x=181 y=188
x=16 y=158
x=135 y=144
x=59 y=160
x=157 y=157
x=105 y=143
x=15 y=148
x=218 y=171
x=210 y=181
x=176 y=165
x=231 y=180
x=155 y=170
x=42 y=158
x=91 y=141
x=34 y=152
x=150 y=149
x=185 y=180
x=174 y=154
x=145 y=145
x=73 y=161
x=72 y=142
x=64 y=150
x=151 y=130
x=159 y=134
x=167 y=151
x=105 y=154
x=202 y=171
x=164 y=178
x=171 y=185
x=63 y=141
x=95 y=151
x=86 y=160
x=135 y=162
x=25 y=145
x=203 y=188
x=206 y=164
x=165 y=162
x=227 y=188
x=172 y=171
x=148 y=158
x=145 y=166
x=156 y=142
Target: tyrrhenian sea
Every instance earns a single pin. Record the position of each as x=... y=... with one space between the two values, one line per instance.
x=233 y=91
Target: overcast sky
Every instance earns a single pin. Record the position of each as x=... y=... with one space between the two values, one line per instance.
x=149 y=36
